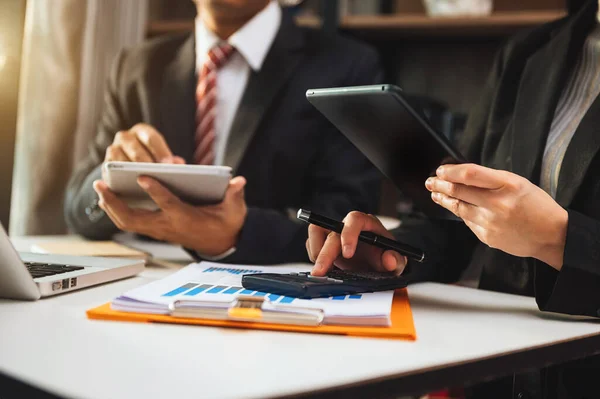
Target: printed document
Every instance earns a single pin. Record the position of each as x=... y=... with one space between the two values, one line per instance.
x=220 y=283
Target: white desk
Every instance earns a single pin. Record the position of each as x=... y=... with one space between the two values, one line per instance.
x=51 y=345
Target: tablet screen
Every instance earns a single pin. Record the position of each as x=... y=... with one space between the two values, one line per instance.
x=392 y=135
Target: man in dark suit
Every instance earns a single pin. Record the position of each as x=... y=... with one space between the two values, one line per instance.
x=232 y=94
x=530 y=204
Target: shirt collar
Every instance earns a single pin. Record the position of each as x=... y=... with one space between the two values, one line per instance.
x=252 y=41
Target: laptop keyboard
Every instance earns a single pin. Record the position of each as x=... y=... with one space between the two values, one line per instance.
x=38 y=269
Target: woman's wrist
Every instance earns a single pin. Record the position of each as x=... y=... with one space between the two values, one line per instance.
x=552 y=249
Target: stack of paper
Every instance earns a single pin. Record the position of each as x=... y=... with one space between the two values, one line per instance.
x=220 y=284
x=158 y=250
x=109 y=249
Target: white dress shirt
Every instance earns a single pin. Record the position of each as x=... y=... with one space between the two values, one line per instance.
x=578 y=96
x=252 y=43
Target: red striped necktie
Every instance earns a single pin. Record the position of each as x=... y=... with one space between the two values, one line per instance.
x=206 y=103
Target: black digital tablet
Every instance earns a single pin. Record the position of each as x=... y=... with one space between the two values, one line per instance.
x=392 y=134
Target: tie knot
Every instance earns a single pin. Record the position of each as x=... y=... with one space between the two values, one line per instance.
x=218 y=55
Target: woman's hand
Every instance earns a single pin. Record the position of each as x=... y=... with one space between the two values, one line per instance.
x=504 y=210
x=327 y=248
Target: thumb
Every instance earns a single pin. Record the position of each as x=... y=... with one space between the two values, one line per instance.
x=393 y=261
x=236 y=187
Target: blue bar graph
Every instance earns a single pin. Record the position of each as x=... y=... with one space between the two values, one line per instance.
x=180 y=290
x=198 y=290
x=231 y=271
x=232 y=290
x=216 y=290
x=192 y=289
x=274 y=297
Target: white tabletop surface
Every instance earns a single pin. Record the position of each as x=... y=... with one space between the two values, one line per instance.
x=52 y=345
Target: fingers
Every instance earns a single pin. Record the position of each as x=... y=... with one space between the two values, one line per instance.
x=463 y=210
x=164 y=198
x=316 y=239
x=325 y=248
x=472 y=175
x=142 y=143
x=328 y=254
x=173 y=160
x=354 y=223
x=115 y=153
x=116 y=209
x=473 y=195
x=133 y=148
x=153 y=141
x=100 y=187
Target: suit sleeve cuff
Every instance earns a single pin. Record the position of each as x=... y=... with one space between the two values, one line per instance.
x=215 y=258
x=574 y=289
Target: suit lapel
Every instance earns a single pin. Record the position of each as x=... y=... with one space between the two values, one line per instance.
x=178 y=101
x=581 y=151
x=544 y=76
x=263 y=86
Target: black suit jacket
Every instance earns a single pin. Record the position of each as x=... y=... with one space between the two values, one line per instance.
x=508 y=130
x=291 y=156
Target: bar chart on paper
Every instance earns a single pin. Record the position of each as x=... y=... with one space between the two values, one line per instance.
x=213 y=283
x=190 y=290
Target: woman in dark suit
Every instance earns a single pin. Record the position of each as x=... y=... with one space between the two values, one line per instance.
x=530 y=202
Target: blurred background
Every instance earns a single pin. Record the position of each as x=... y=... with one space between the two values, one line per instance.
x=55 y=54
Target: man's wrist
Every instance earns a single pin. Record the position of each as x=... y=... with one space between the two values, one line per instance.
x=219 y=247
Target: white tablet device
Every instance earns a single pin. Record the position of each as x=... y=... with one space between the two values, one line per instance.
x=194 y=184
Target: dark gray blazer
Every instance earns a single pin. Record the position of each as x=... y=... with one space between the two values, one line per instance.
x=291 y=156
x=508 y=130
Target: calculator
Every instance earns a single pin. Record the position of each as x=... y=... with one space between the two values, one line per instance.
x=336 y=282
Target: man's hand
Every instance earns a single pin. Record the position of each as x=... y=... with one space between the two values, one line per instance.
x=141 y=143
x=210 y=230
x=327 y=248
x=504 y=210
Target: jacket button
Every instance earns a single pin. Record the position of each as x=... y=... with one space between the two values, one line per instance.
x=94 y=212
x=520 y=395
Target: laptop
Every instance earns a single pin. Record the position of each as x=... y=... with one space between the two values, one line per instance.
x=33 y=276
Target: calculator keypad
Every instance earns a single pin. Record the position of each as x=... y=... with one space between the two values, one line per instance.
x=340 y=276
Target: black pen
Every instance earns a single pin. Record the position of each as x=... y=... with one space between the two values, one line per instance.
x=365 y=236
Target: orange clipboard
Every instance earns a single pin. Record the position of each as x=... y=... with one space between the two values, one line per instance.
x=402 y=327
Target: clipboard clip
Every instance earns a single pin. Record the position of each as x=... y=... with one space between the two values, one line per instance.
x=249 y=309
